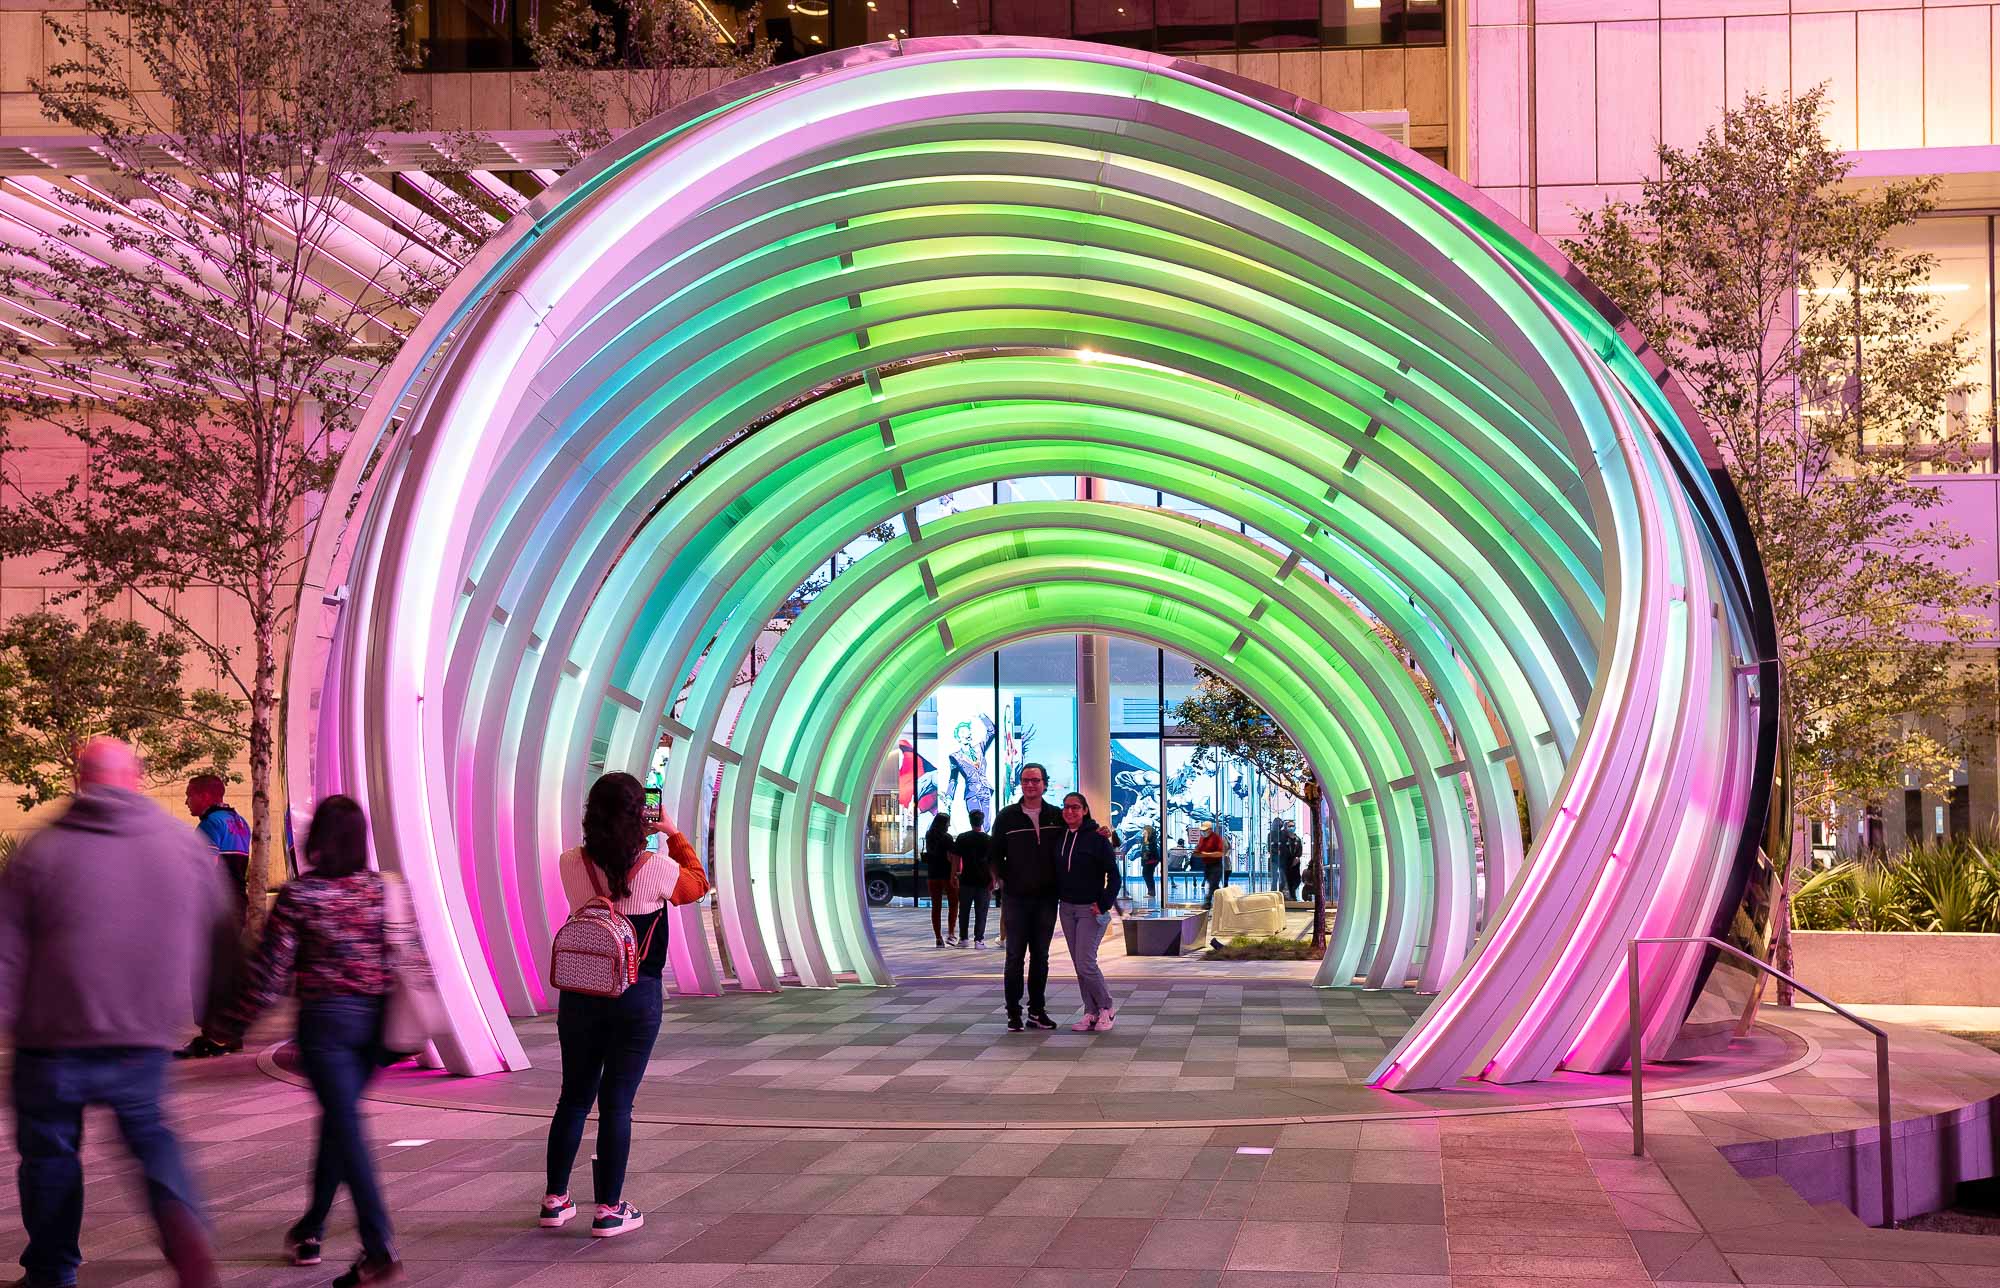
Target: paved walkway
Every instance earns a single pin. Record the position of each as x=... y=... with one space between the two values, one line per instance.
x=1494 y=1201
x=1426 y=1200
x=937 y=1054
x=904 y=933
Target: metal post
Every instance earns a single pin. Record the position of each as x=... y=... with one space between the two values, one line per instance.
x=1638 y=1089
x=1882 y=1115
x=1885 y=1124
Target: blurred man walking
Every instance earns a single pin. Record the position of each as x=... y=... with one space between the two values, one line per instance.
x=112 y=923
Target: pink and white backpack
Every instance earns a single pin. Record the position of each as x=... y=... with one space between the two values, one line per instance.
x=595 y=951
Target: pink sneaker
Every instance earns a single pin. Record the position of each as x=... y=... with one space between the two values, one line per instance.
x=1104 y=1019
x=1087 y=1024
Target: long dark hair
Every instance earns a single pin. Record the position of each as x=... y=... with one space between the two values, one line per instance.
x=337 y=838
x=614 y=829
x=940 y=831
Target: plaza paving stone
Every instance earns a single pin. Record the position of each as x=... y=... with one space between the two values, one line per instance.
x=1429 y=1200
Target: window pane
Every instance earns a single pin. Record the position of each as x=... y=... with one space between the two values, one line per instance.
x=888 y=18
x=962 y=750
x=1116 y=22
x=1127 y=493
x=1197 y=24
x=1032 y=18
x=1362 y=22
x=1042 y=487
x=950 y=17
x=1423 y=22
x=1962 y=293
x=1038 y=713
x=1279 y=24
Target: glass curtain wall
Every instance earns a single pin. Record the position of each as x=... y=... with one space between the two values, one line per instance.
x=1961 y=285
x=1169 y=26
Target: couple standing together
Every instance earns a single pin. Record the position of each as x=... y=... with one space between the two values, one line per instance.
x=1053 y=864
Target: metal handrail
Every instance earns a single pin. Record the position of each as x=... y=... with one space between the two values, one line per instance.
x=1881 y=1055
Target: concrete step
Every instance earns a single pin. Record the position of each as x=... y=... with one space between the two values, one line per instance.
x=1839 y=1216
x=1785 y=1200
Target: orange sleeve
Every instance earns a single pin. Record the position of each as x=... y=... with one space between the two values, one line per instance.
x=693 y=882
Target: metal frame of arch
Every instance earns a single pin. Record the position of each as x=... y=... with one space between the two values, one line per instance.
x=819 y=297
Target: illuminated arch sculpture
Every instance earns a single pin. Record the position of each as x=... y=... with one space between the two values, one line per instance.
x=823 y=295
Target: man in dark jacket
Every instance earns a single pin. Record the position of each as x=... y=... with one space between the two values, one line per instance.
x=969 y=852
x=1024 y=843
x=111 y=925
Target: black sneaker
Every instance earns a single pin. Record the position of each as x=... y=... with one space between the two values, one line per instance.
x=556 y=1211
x=368 y=1270
x=1040 y=1020
x=1014 y=1024
x=614 y=1221
x=303 y=1250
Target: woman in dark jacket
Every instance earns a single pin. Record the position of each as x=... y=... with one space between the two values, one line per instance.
x=1086 y=890
x=943 y=882
x=332 y=933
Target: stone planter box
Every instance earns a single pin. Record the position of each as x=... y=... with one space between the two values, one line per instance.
x=1162 y=936
x=1893 y=968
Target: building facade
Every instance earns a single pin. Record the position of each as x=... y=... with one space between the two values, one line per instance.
x=1547 y=106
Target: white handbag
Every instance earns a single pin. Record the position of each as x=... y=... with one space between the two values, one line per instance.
x=413 y=1013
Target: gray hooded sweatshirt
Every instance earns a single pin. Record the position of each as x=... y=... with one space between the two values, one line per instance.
x=114 y=920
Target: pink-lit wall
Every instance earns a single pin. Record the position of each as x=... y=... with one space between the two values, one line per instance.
x=1972 y=508
x=1566 y=106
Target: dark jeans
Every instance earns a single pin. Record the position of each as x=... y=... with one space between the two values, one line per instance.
x=1151 y=872
x=1217 y=878
x=606 y=1042
x=944 y=907
x=51 y=1089
x=339 y=1046
x=1031 y=924
x=971 y=899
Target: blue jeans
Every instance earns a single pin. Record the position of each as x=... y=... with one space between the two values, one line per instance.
x=971 y=899
x=1031 y=924
x=606 y=1042
x=338 y=1045
x=51 y=1089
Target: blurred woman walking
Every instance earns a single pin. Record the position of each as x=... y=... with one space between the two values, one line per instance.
x=335 y=934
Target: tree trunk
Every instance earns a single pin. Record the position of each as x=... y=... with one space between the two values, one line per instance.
x=263 y=710
x=1799 y=858
x=1318 y=865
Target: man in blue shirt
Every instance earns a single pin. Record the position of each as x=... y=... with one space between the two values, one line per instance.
x=228 y=834
x=226 y=831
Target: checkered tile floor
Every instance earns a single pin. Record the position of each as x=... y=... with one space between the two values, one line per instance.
x=1511 y=1200
x=935 y=1052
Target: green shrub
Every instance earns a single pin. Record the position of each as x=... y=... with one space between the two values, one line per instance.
x=1264 y=948
x=1950 y=885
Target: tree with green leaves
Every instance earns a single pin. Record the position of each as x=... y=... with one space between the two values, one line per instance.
x=219 y=322
x=1227 y=725
x=618 y=63
x=64 y=682
x=1819 y=361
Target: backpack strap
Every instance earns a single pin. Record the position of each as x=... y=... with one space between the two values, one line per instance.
x=604 y=893
x=647 y=942
x=595 y=878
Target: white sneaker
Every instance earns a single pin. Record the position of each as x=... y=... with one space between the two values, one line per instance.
x=614 y=1221
x=1104 y=1019
x=1088 y=1024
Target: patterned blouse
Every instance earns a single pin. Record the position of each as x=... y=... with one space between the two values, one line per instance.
x=326 y=935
